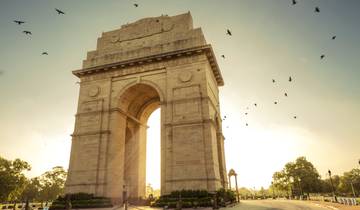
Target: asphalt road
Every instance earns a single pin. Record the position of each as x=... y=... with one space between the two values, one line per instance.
x=276 y=205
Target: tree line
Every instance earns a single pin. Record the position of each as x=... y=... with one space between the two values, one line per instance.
x=301 y=178
x=16 y=187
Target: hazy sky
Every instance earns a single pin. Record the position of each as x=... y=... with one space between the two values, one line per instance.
x=271 y=40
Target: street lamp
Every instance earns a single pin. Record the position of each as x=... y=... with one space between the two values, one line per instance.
x=332 y=185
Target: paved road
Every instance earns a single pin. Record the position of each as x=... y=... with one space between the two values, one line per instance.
x=276 y=205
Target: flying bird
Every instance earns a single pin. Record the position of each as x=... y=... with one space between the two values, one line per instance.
x=246 y=113
x=334 y=37
x=223 y=56
x=19 y=22
x=273 y=80
x=295 y=117
x=59 y=12
x=228 y=32
x=317 y=9
x=286 y=94
x=290 y=79
x=136 y=5
x=44 y=53
x=275 y=102
x=322 y=56
x=294 y=2
x=247 y=124
x=27 y=32
x=255 y=104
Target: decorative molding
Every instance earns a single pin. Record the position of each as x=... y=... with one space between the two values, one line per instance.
x=207 y=49
x=91 y=133
x=94 y=91
x=185 y=76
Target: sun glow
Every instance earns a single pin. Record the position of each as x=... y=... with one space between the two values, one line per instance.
x=153 y=150
x=259 y=151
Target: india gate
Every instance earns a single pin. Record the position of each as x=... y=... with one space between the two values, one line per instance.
x=158 y=62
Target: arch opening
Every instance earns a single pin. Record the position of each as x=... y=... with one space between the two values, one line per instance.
x=153 y=157
x=138 y=102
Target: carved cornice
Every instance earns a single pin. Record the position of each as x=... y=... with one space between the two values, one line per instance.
x=90 y=133
x=207 y=49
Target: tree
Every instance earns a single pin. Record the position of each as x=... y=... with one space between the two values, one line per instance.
x=149 y=190
x=32 y=190
x=281 y=182
x=12 y=179
x=350 y=178
x=301 y=176
x=52 y=183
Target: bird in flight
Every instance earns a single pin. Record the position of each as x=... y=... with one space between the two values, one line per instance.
x=275 y=102
x=286 y=94
x=334 y=37
x=295 y=117
x=322 y=56
x=317 y=9
x=255 y=104
x=290 y=79
x=247 y=124
x=19 y=22
x=246 y=113
x=294 y=2
x=59 y=12
x=273 y=80
x=228 y=32
x=223 y=56
x=27 y=32
x=136 y=5
x=45 y=53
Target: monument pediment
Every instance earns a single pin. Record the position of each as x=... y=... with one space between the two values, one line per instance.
x=143 y=28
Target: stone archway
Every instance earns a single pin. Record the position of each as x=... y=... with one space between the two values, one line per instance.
x=155 y=62
x=139 y=101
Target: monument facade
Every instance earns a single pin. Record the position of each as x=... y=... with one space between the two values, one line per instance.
x=159 y=62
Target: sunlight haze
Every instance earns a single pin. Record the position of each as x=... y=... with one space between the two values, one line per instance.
x=271 y=40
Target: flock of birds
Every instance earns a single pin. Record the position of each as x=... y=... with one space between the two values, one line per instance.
x=322 y=56
x=228 y=32
x=29 y=33
x=59 y=12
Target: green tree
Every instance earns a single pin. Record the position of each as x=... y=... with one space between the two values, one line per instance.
x=350 y=178
x=281 y=183
x=31 y=190
x=300 y=176
x=52 y=183
x=12 y=179
x=303 y=175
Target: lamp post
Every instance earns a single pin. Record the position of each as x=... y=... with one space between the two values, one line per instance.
x=332 y=185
